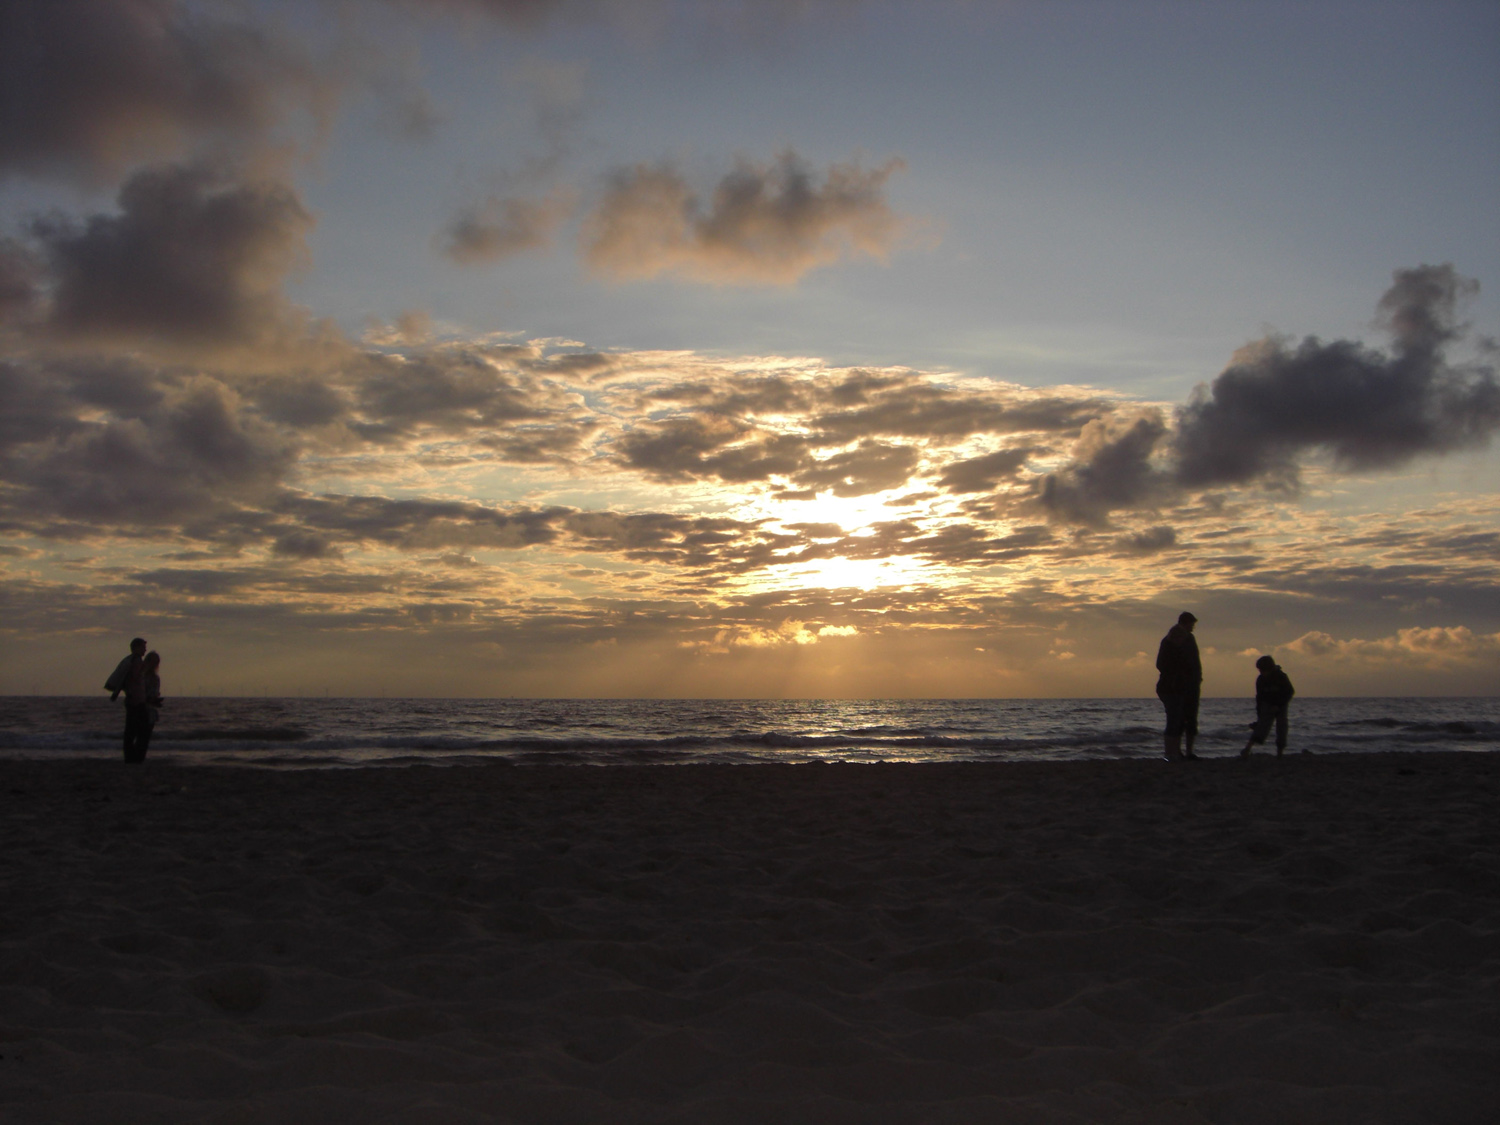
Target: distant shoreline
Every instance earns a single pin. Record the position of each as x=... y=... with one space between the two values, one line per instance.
x=732 y=698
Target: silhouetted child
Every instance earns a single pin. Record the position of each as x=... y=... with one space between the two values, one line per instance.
x=1273 y=691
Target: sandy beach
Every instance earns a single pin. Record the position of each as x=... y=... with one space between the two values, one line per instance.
x=1310 y=940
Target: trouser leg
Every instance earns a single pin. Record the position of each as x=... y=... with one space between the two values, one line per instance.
x=137 y=733
x=1172 y=737
x=1280 y=729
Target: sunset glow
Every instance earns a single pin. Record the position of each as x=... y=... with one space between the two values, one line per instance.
x=548 y=349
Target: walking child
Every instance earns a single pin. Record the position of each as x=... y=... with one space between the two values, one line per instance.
x=1273 y=691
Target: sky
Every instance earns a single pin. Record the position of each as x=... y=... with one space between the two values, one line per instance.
x=749 y=348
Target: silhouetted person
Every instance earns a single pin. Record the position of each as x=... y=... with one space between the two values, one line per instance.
x=1273 y=691
x=1178 y=686
x=126 y=673
x=150 y=691
x=123 y=670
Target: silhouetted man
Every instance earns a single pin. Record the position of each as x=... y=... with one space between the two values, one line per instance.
x=1178 y=685
x=128 y=677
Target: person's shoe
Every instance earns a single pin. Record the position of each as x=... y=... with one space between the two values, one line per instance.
x=1190 y=756
x=1245 y=753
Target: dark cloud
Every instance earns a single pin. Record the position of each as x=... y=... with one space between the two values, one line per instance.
x=413 y=525
x=1111 y=469
x=675 y=449
x=526 y=13
x=192 y=258
x=710 y=445
x=198 y=582
x=693 y=541
x=166 y=455
x=459 y=391
x=90 y=87
x=304 y=545
x=1149 y=542
x=872 y=466
x=544 y=443
x=1364 y=408
x=765 y=225
x=500 y=228
x=955 y=543
x=570 y=364
x=300 y=402
x=20 y=280
x=865 y=405
x=982 y=474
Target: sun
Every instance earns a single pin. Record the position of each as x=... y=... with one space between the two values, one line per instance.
x=851 y=514
x=845 y=574
x=827 y=518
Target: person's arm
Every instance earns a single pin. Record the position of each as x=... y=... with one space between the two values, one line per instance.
x=116 y=681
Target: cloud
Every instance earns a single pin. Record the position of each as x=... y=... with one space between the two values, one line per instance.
x=453 y=390
x=788 y=632
x=712 y=445
x=20 y=280
x=1111 y=468
x=1365 y=409
x=902 y=404
x=982 y=474
x=871 y=466
x=1151 y=541
x=90 y=87
x=193 y=258
x=417 y=525
x=766 y=224
x=1430 y=646
x=113 y=446
x=827 y=431
x=526 y=13
x=500 y=228
x=315 y=492
x=299 y=402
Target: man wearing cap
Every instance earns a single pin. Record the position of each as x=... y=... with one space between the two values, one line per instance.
x=1178 y=686
x=127 y=677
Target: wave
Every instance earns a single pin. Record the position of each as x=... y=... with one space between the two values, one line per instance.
x=1455 y=729
x=244 y=734
x=317 y=733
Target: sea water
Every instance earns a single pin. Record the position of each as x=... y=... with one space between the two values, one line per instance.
x=317 y=732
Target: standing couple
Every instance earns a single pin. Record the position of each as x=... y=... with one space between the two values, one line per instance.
x=138 y=678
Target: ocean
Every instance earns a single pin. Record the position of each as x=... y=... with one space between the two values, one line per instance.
x=301 y=733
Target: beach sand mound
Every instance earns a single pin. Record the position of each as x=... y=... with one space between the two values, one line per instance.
x=1310 y=940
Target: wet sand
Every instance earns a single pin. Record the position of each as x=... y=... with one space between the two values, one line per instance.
x=1311 y=940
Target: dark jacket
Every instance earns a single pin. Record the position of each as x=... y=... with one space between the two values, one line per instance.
x=1178 y=662
x=123 y=672
x=1274 y=688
